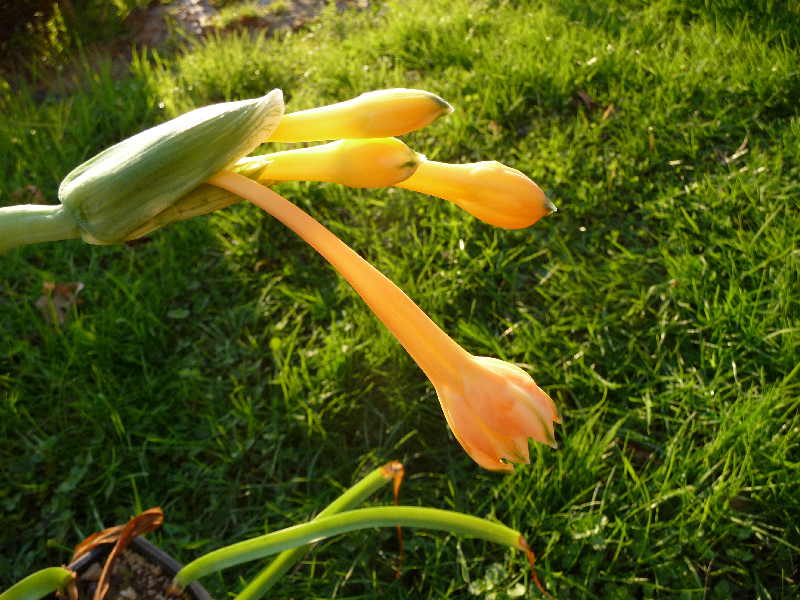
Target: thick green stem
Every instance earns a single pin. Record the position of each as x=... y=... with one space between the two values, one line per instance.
x=39 y=584
x=320 y=529
x=288 y=558
x=34 y=223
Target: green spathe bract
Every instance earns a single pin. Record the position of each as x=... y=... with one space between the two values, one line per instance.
x=122 y=188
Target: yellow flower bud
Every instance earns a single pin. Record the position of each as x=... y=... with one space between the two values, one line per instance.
x=120 y=190
x=365 y=163
x=381 y=113
x=356 y=163
x=490 y=191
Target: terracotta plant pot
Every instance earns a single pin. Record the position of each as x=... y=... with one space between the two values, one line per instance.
x=151 y=554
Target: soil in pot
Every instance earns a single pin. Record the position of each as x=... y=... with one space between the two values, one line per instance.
x=126 y=566
x=133 y=577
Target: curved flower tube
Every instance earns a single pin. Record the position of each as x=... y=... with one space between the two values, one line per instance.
x=492 y=406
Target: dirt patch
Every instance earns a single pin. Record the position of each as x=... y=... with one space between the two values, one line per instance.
x=167 y=27
x=162 y=24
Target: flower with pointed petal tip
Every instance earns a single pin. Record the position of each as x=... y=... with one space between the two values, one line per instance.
x=494 y=409
x=492 y=406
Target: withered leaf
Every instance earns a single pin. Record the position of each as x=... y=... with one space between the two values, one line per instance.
x=586 y=100
x=57 y=300
x=30 y=194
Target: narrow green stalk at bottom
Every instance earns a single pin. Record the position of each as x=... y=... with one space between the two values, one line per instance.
x=319 y=529
x=39 y=584
x=32 y=223
x=288 y=558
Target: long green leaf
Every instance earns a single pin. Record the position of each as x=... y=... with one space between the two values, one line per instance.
x=39 y=584
x=320 y=529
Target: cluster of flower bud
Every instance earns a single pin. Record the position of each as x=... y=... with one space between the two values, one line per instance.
x=155 y=177
x=198 y=163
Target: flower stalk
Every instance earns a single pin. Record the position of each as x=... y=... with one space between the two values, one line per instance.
x=33 y=223
x=352 y=520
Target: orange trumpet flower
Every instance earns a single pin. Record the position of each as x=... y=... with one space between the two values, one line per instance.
x=492 y=406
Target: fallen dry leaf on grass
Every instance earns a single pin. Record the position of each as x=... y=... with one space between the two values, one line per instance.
x=57 y=300
x=29 y=194
x=583 y=98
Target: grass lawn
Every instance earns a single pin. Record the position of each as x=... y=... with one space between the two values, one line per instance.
x=224 y=372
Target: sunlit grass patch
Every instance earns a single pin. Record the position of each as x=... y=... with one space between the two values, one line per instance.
x=222 y=371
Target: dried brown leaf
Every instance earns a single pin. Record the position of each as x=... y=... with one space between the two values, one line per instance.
x=588 y=102
x=30 y=194
x=57 y=300
x=121 y=536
